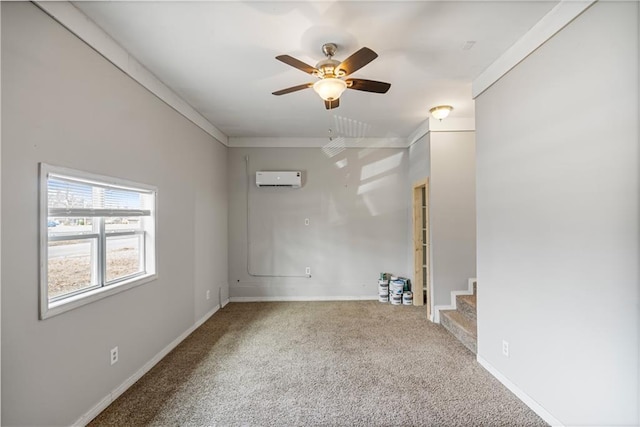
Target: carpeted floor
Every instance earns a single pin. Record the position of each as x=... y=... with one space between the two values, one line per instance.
x=359 y=363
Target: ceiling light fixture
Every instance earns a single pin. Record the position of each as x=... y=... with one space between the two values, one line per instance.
x=330 y=88
x=441 y=111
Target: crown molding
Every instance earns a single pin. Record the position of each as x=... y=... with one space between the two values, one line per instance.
x=550 y=24
x=445 y=125
x=334 y=143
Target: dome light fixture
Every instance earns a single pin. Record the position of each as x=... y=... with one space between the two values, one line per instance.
x=441 y=111
x=330 y=88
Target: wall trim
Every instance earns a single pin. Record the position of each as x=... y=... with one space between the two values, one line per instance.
x=454 y=300
x=303 y=298
x=446 y=125
x=524 y=397
x=86 y=30
x=418 y=133
x=115 y=393
x=304 y=142
x=550 y=24
x=426 y=126
x=225 y=302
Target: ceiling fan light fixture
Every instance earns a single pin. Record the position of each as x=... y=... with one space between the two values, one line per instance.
x=441 y=111
x=330 y=88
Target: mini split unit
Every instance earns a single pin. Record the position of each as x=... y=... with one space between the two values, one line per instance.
x=290 y=179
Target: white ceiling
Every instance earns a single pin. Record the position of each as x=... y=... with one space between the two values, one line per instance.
x=219 y=56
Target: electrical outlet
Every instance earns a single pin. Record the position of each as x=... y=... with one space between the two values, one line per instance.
x=307 y=271
x=208 y=294
x=114 y=355
x=306 y=221
x=505 y=348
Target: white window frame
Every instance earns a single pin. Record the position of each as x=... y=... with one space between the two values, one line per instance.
x=106 y=288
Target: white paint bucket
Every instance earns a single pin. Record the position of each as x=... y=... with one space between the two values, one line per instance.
x=407 y=298
x=396 y=288
x=383 y=297
x=396 y=299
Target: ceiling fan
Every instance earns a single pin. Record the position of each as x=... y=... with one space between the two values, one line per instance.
x=332 y=75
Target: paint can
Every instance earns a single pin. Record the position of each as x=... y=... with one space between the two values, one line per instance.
x=407 y=298
x=396 y=287
x=383 y=297
x=396 y=299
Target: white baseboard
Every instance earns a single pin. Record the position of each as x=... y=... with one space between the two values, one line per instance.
x=115 y=393
x=299 y=298
x=437 y=309
x=454 y=301
x=225 y=302
x=526 y=399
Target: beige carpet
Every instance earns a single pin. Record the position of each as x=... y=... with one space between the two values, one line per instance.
x=358 y=363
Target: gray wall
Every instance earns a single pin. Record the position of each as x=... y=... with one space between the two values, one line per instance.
x=419 y=160
x=448 y=159
x=558 y=242
x=358 y=222
x=64 y=104
x=452 y=213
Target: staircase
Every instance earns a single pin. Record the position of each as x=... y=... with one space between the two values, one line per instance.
x=461 y=322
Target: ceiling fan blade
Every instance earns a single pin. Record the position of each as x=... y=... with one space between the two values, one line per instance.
x=368 y=85
x=296 y=63
x=330 y=105
x=357 y=60
x=292 y=89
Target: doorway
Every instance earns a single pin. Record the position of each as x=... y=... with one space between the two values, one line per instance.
x=422 y=288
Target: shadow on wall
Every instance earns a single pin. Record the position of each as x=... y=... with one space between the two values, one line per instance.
x=370 y=180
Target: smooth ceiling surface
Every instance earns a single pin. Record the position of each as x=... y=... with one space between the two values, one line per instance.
x=220 y=57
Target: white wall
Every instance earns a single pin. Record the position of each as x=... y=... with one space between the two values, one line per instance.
x=452 y=213
x=558 y=235
x=358 y=222
x=419 y=159
x=64 y=104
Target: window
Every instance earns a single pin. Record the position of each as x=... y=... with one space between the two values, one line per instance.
x=97 y=237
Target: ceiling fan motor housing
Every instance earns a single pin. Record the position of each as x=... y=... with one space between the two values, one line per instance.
x=328 y=68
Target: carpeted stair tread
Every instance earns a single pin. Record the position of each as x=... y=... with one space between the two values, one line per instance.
x=466 y=304
x=469 y=299
x=464 y=329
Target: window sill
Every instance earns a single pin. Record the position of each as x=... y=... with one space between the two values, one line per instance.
x=62 y=306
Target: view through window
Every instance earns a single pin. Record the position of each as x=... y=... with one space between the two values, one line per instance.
x=99 y=234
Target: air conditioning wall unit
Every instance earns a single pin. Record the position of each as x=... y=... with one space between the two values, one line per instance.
x=290 y=179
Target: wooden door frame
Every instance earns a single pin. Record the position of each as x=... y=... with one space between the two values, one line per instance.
x=418 y=246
